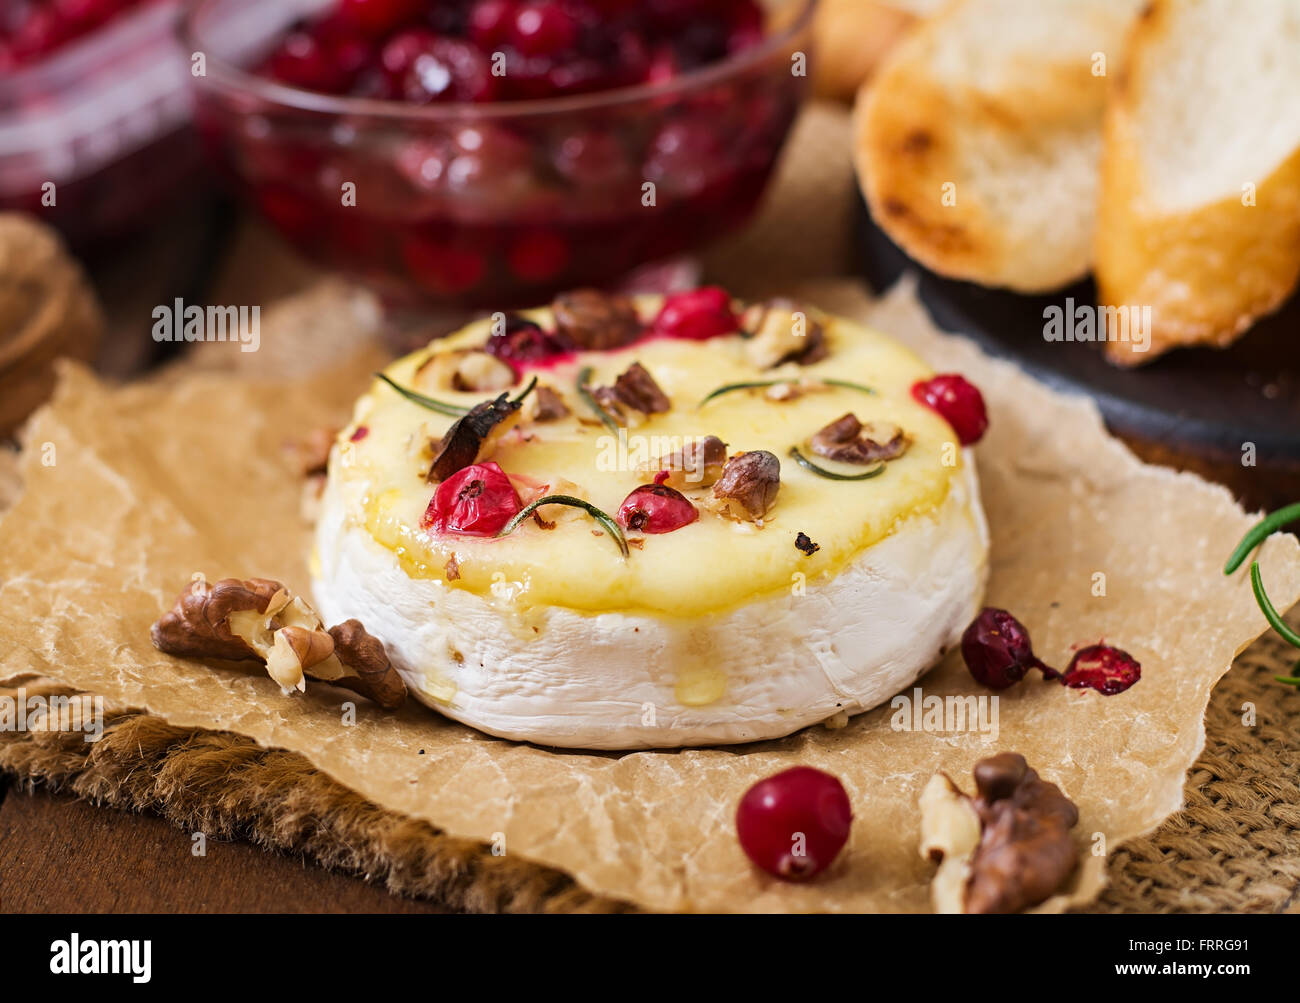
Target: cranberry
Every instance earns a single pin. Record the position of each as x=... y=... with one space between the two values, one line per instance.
x=361 y=432
x=303 y=60
x=490 y=22
x=958 y=401
x=697 y=314
x=422 y=67
x=39 y=34
x=1102 y=668
x=684 y=156
x=476 y=501
x=523 y=342
x=592 y=158
x=656 y=508
x=377 y=17
x=997 y=651
x=538 y=254
x=794 y=823
x=441 y=266
x=85 y=15
x=543 y=29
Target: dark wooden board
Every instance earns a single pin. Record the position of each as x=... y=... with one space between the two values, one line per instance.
x=58 y=854
x=1192 y=408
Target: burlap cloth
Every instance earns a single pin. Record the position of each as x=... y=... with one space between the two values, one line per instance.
x=1234 y=847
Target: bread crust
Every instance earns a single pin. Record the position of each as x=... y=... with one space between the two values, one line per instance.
x=1207 y=273
x=1016 y=147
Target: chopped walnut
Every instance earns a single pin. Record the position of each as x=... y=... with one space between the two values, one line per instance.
x=258 y=619
x=803 y=543
x=635 y=390
x=473 y=437
x=698 y=464
x=850 y=441
x=781 y=331
x=451 y=570
x=466 y=370
x=1006 y=849
x=595 y=321
x=748 y=487
x=545 y=404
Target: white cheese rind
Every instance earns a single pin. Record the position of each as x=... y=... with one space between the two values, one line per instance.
x=616 y=681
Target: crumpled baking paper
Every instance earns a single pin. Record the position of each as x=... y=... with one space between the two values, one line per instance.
x=130 y=491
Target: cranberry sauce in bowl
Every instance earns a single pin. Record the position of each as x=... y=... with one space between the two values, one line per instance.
x=491 y=152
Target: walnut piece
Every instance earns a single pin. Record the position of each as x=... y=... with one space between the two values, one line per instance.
x=697 y=464
x=596 y=321
x=748 y=487
x=473 y=437
x=635 y=390
x=1006 y=849
x=466 y=370
x=848 y=440
x=780 y=331
x=258 y=619
x=545 y=404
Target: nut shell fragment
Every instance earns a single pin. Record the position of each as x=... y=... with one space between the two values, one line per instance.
x=473 y=437
x=367 y=670
x=1006 y=849
x=199 y=626
x=596 y=321
x=748 y=487
x=781 y=331
x=848 y=440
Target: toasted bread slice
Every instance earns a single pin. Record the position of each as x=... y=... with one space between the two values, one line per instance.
x=1199 y=211
x=852 y=37
x=977 y=141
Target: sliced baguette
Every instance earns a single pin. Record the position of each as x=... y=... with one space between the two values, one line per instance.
x=1208 y=104
x=1002 y=99
x=852 y=37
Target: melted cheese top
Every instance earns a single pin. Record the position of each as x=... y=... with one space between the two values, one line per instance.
x=711 y=565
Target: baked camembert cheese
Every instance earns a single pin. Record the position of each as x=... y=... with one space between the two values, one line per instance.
x=759 y=524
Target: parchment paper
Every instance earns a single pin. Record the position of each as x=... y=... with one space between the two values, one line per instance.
x=129 y=491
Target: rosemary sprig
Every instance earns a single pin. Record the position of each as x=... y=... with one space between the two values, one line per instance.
x=808 y=464
x=727 y=388
x=526 y=391
x=452 y=410
x=1257 y=535
x=599 y=514
x=590 y=401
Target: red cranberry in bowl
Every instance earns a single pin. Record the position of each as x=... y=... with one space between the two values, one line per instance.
x=441 y=266
x=422 y=68
x=543 y=29
x=377 y=17
x=476 y=501
x=684 y=156
x=538 y=254
x=656 y=508
x=959 y=402
x=490 y=22
x=794 y=823
x=697 y=314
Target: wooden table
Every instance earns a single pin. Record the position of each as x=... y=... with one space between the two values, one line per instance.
x=64 y=855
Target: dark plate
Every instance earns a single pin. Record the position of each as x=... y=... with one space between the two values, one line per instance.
x=1192 y=408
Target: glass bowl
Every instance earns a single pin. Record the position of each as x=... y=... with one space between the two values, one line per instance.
x=497 y=204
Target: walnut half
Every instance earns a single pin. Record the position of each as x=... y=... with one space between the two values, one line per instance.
x=258 y=619
x=1004 y=850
